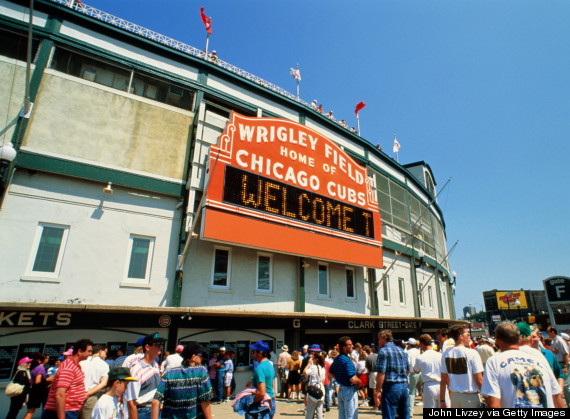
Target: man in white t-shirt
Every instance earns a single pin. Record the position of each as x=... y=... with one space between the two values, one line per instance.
x=174 y=360
x=108 y=405
x=428 y=364
x=562 y=352
x=96 y=372
x=413 y=352
x=517 y=379
x=486 y=349
x=461 y=371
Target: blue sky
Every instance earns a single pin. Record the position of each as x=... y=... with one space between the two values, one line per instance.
x=478 y=89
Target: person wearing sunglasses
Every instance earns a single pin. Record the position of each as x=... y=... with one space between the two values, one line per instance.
x=262 y=379
x=139 y=394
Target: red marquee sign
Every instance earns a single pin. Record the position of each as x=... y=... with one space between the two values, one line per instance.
x=280 y=186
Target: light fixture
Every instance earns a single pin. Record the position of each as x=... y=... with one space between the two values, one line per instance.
x=108 y=189
x=7 y=156
x=186 y=316
x=420 y=259
x=304 y=264
x=452 y=283
x=326 y=320
x=194 y=235
x=7 y=152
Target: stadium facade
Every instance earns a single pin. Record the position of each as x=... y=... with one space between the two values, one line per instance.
x=158 y=189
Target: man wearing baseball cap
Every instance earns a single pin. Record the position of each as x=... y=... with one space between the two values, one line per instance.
x=263 y=375
x=562 y=352
x=108 y=407
x=140 y=393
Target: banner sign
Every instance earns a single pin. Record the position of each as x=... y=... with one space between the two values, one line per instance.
x=507 y=300
x=278 y=185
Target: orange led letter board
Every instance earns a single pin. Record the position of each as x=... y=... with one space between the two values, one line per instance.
x=280 y=186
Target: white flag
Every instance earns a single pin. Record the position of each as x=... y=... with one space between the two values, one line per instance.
x=396 y=145
x=296 y=74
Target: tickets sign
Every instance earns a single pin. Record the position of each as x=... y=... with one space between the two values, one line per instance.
x=278 y=185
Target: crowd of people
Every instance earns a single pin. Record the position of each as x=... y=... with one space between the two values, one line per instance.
x=517 y=368
x=319 y=108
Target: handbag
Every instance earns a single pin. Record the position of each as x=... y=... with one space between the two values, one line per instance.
x=14 y=389
x=314 y=390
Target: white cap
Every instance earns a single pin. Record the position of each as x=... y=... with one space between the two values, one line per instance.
x=411 y=341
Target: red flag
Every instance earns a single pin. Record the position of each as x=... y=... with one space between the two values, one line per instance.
x=359 y=107
x=206 y=20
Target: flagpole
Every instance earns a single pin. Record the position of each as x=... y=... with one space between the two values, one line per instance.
x=358 y=123
x=298 y=83
x=207 y=42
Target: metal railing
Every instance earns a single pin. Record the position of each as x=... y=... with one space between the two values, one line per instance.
x=180 y=46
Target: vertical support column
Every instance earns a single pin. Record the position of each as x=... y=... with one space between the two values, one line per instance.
x=371 y=274
x=416 y=296
x=438 y=294
x=301 y=288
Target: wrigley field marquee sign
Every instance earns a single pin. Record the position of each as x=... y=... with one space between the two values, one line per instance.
x=280 y=186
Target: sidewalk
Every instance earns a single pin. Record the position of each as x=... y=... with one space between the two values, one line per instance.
x=295 y=410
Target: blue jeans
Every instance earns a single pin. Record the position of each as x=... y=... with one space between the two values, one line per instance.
x=144 y=412
x=413 y=379
x=327 y=396
x=347 y=402
x=264 y=415
x=51 y=414
x=395 y=399
x=220 y=385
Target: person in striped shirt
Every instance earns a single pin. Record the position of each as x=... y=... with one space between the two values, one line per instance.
x=139 y=394
x=67 y=392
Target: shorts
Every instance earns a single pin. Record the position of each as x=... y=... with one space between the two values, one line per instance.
x=228 y=379
x=363 y=380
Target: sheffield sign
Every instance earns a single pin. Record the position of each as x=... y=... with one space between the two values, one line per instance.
x=278 y=185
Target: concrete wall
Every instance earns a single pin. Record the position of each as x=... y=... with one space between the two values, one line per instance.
x=13 y=76
x=95 y=259
x=79 y=119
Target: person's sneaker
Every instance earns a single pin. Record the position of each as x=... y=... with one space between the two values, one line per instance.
x=419 y=404
x=364 y=404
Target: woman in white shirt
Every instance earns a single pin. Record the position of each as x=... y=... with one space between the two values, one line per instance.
x=315 y=370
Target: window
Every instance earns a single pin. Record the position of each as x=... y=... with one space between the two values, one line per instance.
x=421 y=295
x=140 y=257
x=113 y=75
x=221 y=276
x=15 y=46
x=323 y=281
x=402 y=290
x=430 y=298
x=350 y=288
x=50 y=245
x=386 y=288
x=264 y=273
